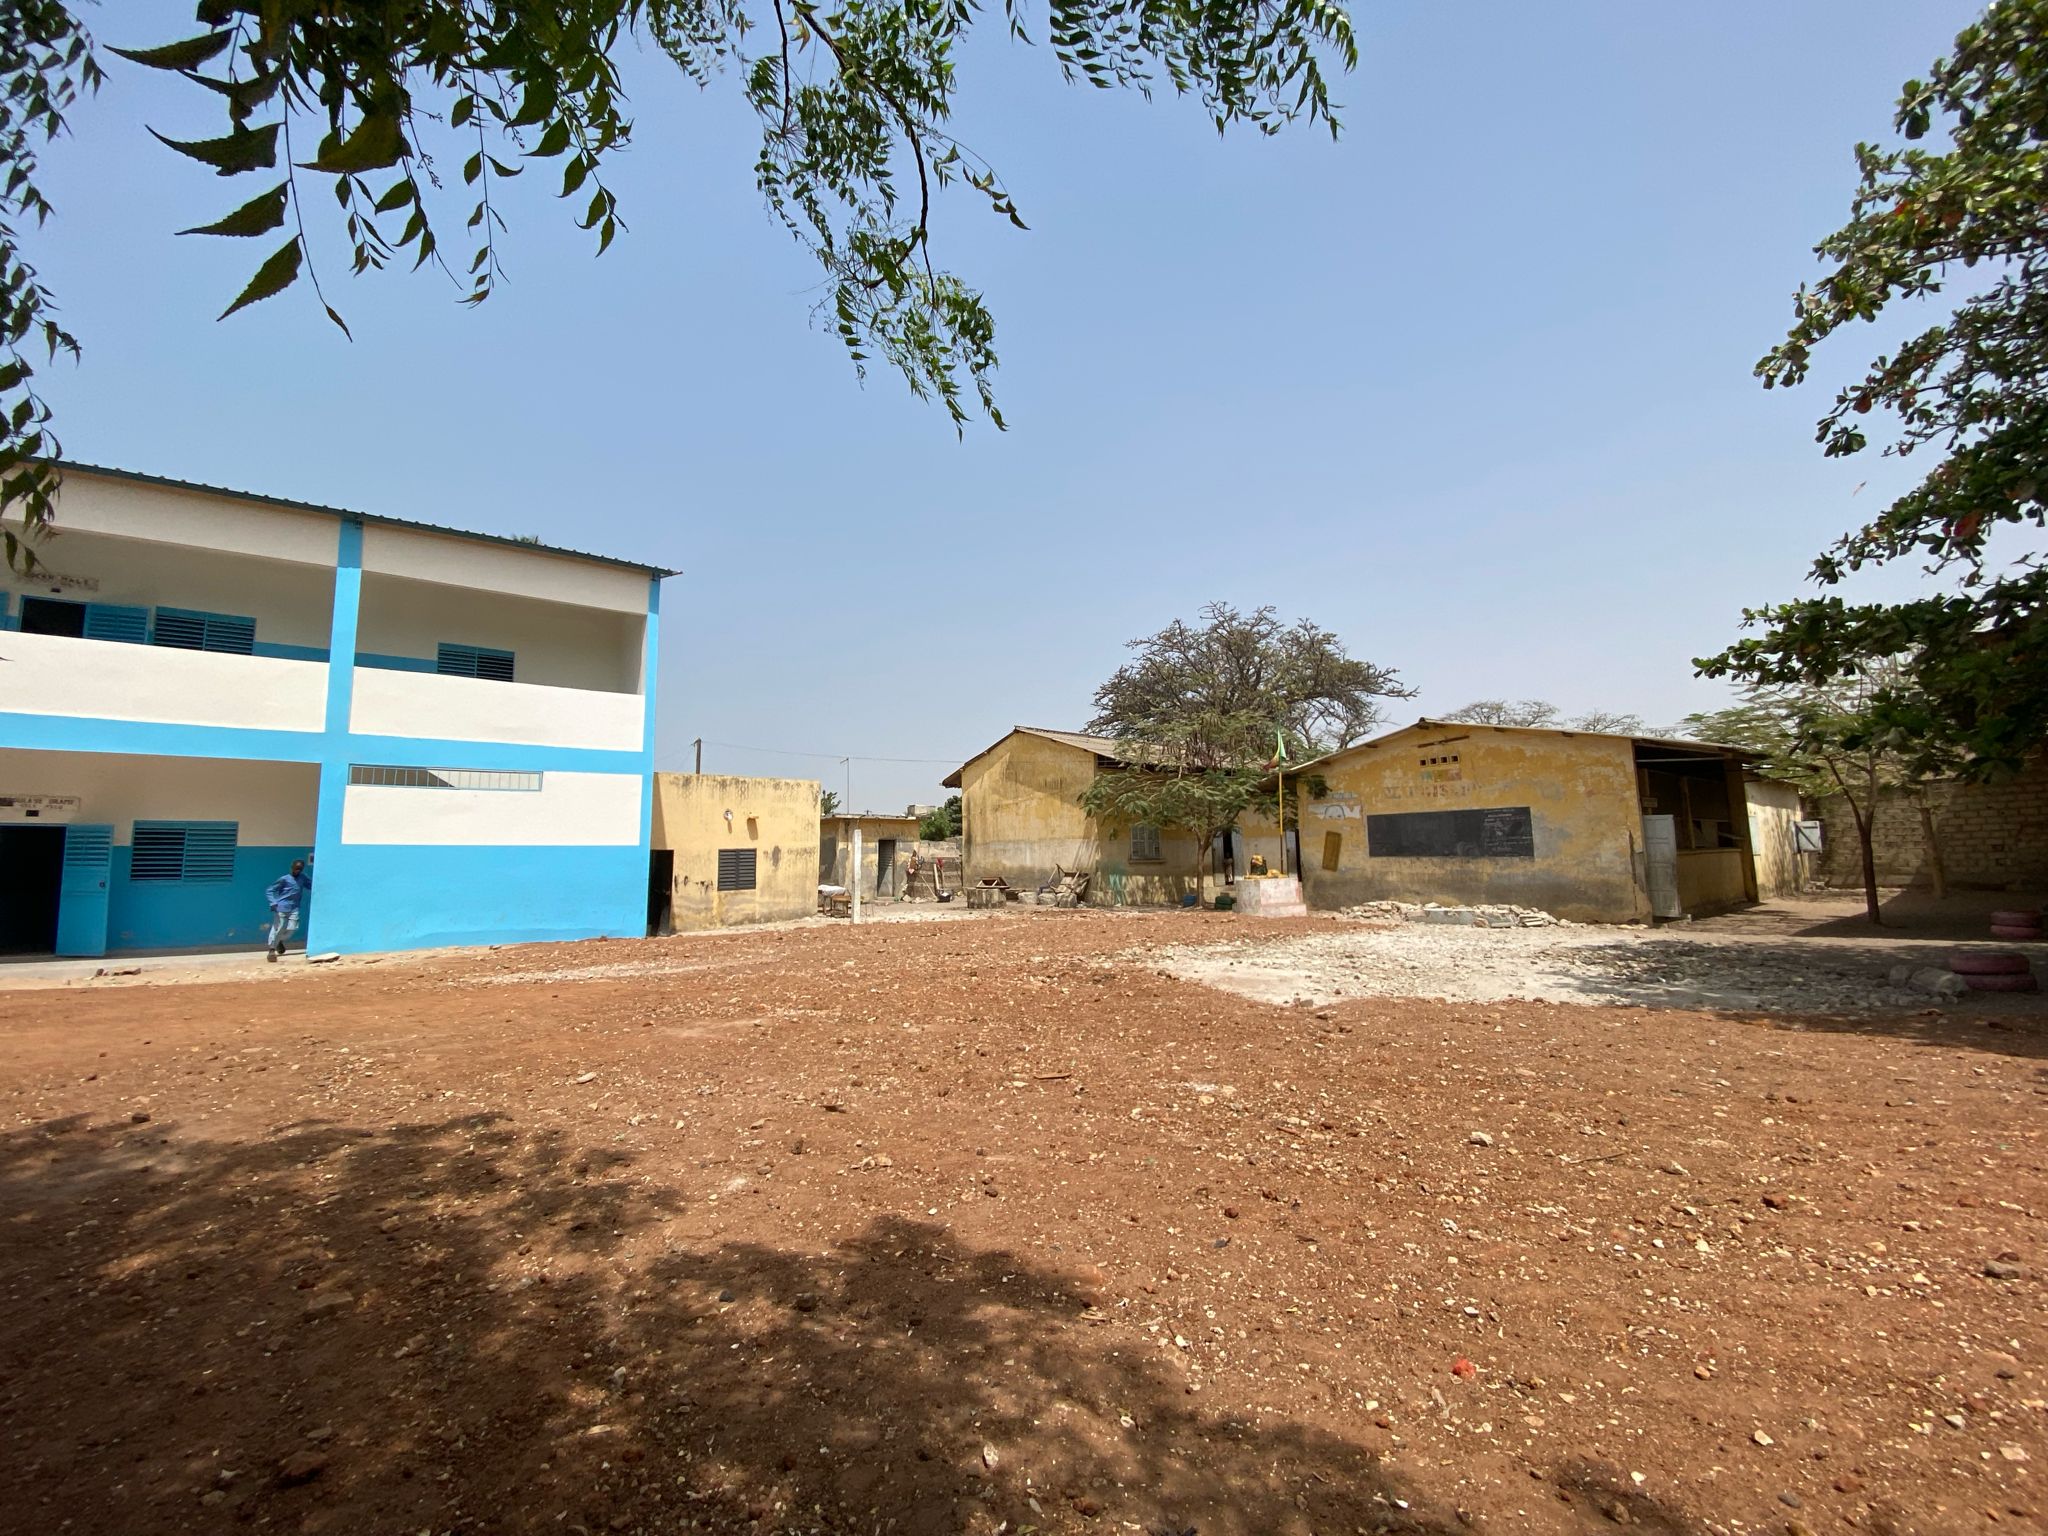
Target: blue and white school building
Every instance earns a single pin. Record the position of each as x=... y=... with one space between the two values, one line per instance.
x=199 y=685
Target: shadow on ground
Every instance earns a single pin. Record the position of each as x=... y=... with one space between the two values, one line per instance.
x=463 y=1326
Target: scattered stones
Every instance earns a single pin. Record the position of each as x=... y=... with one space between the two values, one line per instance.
x=328 y=1304
x=327 y=957
x=1463 y=917
x=2004 y=1269
x=1595 y=965
x=587 y=1077
x=1479 y=1139
x=1761 y=1438
x=140 y=1117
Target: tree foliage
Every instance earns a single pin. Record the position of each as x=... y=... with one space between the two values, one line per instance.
x=46 y=62
x=828 y=803
x=1963 y=199
x=1199 y=801
x=1216 y=695
x=1834 y=740
x=413 y=113
x=941 y=824
x=1541 y=712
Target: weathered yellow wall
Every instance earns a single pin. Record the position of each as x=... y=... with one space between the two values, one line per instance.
x=777 y=818
x=835 y=864
x=1710 y=880
x=1583 y=804
x=1773 y=813
x=1021 y=817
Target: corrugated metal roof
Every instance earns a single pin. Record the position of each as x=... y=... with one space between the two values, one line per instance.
x=71 y=466
x=1725 y=749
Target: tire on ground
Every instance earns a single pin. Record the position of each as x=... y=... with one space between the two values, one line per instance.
x=1972 y=963
x=2006 y=983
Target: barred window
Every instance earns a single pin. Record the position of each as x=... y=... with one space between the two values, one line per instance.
x=189 y=851
x=1145 y=845
x=441 y=778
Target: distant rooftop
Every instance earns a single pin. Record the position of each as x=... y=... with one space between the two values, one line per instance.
x=70 y=466
x=1120 y=750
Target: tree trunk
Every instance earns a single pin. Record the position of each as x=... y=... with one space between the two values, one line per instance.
x=1935 y=870
x=1864 y=830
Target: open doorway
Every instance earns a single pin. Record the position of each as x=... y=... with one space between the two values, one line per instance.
x=31 y=880
x=885 y=866
x=661 y=891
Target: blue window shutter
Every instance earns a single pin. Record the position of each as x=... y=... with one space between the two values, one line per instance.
x=190 y=631
x=188 y=851
x=110 y=621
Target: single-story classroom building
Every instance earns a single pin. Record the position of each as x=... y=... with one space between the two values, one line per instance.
x=200 y=685
x=1587 y=826
x=1021 y=819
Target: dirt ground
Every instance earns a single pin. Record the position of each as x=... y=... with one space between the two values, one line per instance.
x=989 y=1226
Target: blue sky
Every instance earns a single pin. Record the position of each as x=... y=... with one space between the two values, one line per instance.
x=1470 y=386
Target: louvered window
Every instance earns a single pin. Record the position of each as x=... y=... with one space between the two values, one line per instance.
x=108 y=621
x=1145 y=845
x=736 y=869
x=474 y=661
x=190 y=851
x=189 y=631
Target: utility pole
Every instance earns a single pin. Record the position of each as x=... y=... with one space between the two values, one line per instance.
x=699 y=744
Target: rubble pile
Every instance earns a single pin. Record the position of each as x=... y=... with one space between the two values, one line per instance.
x=1463 y=917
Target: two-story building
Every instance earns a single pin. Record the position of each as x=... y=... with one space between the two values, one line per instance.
x=199 y=685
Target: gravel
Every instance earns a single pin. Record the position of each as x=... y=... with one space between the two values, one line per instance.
x=1650 y=968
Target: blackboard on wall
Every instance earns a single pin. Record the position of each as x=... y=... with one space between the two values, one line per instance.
x=1503 y=832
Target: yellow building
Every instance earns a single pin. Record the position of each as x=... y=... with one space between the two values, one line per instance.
x=1775 y=812
x=731 y=850
x=1594 y=828
x=885 y=843
x=1022 y=822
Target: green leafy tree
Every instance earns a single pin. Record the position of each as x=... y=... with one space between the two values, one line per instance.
x=828 y=803
x=1541 y=712
x=1199 y=801
x=1964 y=198
x=1219 y=694
x=943 y=823
x=1831 y=741
x=414 y=113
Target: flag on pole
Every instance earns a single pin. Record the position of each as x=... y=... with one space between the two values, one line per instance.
x=1279 y=747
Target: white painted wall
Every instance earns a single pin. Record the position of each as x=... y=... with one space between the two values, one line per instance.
x=424 y=704
x=552 y=643
x=100 y=679
x=502 y=568
x=273 y=802
x=199 y=519
x=568 y=810
x=292 y=604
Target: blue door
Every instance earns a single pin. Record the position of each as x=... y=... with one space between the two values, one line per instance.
x=82 y=900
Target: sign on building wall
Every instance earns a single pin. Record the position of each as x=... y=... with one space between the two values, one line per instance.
x=59 y=808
